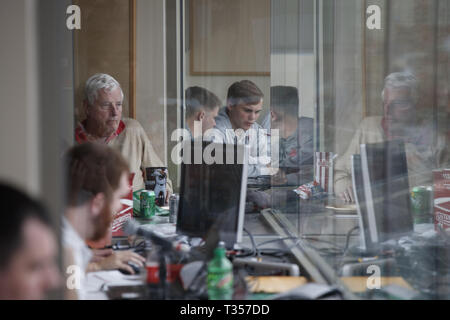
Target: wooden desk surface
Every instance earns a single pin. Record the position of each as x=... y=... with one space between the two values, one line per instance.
x=270 y=284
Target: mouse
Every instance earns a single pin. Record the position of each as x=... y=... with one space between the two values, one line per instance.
x=134 y=266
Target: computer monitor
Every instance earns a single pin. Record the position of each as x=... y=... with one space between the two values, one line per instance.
x=360 y=201
x=212 y=195
x=386 y=190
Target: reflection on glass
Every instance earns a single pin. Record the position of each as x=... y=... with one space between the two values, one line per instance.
x=335 y=84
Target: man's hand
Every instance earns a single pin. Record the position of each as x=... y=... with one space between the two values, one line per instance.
x=279 y=178
x=347 y=195
x=118 y=260
x=100 y=254
x=166 y=202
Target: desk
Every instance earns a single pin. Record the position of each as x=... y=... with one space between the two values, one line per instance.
x=99 y=281
x=316 y=237
x=323 y=235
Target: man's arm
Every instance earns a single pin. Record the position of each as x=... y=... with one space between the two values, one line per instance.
x=116 y=260
x=342 y=169
x=262 y=160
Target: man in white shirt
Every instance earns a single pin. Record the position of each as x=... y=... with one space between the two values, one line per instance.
x=97 y=178
x=236 y=124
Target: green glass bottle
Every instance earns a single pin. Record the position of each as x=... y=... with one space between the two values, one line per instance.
x=220 y=275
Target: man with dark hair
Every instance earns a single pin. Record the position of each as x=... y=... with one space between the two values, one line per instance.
x=28 y=248
x=296 y=148
x=202 y=106
x=236 y=123
x=97 y=178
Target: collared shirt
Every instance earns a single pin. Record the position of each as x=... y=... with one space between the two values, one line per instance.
x=131 y=140
x=255 y=138
x=81 y=254
x=81 y=134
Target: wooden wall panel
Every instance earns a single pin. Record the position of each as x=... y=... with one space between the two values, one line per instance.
x=230 y=37
x=105 y=44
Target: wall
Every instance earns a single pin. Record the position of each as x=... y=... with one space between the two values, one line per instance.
x=348 y=73
x=151 y=72
x=102 y=46
x=219 y=83
x=36 y=80
x=292 y=50
x=19 y=127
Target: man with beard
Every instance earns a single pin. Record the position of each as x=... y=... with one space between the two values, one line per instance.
x=424 y=149
x=97 y=178
x=296 y=147
x=103 y=99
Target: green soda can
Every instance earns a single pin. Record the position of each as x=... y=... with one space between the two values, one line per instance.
x=421 y=207
x=147 y=199
x=152 y=205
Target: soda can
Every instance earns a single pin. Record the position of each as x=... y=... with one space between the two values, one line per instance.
x=147 y=204
x=174 y=199
x=309 y=190
x=421 y=204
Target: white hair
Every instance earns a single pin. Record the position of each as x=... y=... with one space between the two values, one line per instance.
x=97 y=82
x=402 y=80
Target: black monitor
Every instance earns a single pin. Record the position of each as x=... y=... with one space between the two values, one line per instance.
x=360 y=201
x=386 y=191
x=213 y=191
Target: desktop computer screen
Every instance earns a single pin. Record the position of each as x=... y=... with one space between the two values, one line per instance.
x=386 y=201
x=212 y=195
x=358 y=190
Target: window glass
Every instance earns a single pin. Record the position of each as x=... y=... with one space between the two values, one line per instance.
x=345 y=90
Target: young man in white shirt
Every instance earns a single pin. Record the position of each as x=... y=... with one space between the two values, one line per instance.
x=236 y=124
x=97 y=178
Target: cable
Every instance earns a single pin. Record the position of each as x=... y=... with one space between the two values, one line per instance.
x=276 y=240
x=347 y=241
x=327 y=242
x=255 y=248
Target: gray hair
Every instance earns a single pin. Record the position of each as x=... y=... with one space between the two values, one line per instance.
x=402 y=80
x=97 y=82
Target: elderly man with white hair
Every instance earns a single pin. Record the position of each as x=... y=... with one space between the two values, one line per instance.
x=425 y=150
x=103 y=99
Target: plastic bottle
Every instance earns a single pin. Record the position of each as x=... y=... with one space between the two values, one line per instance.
x=155 y=289
x=152 y=266
x=220 y=275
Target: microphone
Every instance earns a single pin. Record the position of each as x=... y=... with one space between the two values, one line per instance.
x=132 y=227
